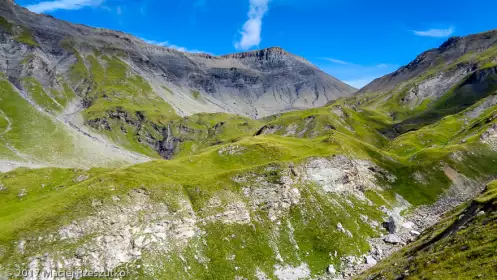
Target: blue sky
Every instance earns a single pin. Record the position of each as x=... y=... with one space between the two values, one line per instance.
x=353 y=40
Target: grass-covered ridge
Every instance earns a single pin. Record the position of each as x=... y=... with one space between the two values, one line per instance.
x=209 y=173
x=247 y=188
x=461 y=246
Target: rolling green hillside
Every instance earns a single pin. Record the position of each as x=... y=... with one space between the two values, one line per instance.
x=103 y=169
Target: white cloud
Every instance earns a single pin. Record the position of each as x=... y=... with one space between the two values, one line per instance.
x=50 y=6
x=119 y=11
x=337 y=61
x=251 y=31
x=437 y=33
x=171 y=46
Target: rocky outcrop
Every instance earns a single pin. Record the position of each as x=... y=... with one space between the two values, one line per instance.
x=434 y=87
x=489 y=137
x=117 y=234
x=274 y=197
x=342 y=175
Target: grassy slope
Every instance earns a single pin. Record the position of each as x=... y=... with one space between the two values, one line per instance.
x=201 y=170
x=208 y=173
x=468 y=252
x=28 y=126
x=460 y=97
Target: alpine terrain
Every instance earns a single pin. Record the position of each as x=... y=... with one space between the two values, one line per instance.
x=136 y=161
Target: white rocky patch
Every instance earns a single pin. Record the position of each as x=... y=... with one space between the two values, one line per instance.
x=342 y=175
x=343 y=230
x=119 y=234
x=420 y=178
x=433 y=87
x=234 y=213
x=289 y=272
x=331 y=269
x=274 y=198
x=489 y=137
x=231 y=150
x=260 y=275
x=291 y=130
x=22 y=193
x=482 y=106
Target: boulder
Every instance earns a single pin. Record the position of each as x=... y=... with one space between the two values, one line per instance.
x=331 y=269
x=390 y=225
x=370 y=260
x=415 y=233
x=392 y=239
x=377 y=252
x=408 y=225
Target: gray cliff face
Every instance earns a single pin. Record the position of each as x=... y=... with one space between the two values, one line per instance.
x=255 y=84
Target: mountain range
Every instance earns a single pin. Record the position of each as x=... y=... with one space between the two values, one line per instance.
x=144 y=162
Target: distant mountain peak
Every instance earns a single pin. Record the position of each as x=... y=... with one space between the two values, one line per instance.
x=262 y=53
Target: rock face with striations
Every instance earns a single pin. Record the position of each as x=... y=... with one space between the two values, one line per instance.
x=254 y=84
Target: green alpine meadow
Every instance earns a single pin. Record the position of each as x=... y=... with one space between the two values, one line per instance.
x=120 y=159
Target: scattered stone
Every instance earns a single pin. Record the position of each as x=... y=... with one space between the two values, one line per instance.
x=408 y=225
x=390 y=225
x=81 y=178
x=96 y=203
x=490 y=137
x=331 y=269
x=231 y=150
x=292 y=169
x=22 y=193
x=415 y=233
x=292 y=273
x=377 y=252
x=392 y=239
x=2 y=188
x=21 y=245
x=370 y=260
x=342 y=229
x=481 y=213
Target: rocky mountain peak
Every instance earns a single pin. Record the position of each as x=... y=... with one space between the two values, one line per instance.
x=263 y=54
x=451 y=51
x=452 y=41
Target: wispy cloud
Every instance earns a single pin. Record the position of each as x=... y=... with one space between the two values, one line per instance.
x=251 y=31
x=172 y=46
x=337 y=61
x=437 y=33
x=50 y=6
